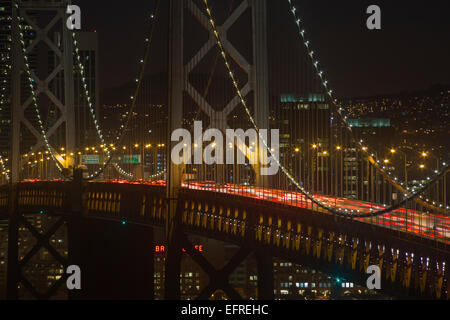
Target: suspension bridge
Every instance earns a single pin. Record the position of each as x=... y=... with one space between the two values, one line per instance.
x=333 y=205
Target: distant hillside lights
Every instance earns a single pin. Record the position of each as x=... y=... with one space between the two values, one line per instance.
x=256 y=151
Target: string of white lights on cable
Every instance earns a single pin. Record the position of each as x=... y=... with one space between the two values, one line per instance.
x=33 y=92
x=123 y=127
x=310 y=196
x=156 y=175
x=371 y=157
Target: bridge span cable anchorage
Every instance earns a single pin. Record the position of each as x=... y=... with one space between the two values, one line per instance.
x=123 y=127
x=33 y=92
x=308 y=194
x=374 y=162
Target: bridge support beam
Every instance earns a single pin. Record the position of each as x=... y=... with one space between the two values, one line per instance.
x=218 y=279
x=13 y=271
x=260 y=73
x=176 y=87
x=74 y=227
x=115 y=258
x=173 y=264
x=265 y=275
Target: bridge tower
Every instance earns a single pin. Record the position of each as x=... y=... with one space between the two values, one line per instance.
x=53 y=34
x=179 y=72
x=257 y=71
x=55 y=87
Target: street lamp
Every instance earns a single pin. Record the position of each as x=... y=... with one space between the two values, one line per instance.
x=426 y=154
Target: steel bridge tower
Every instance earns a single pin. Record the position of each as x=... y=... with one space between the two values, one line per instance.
x=258 y=84
x=56 y=36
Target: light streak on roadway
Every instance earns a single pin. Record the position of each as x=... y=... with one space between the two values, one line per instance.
x=428 y=225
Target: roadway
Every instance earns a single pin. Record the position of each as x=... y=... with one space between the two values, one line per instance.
x=429 y=225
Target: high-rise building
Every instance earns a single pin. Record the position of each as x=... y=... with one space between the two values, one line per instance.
x=192 y=277
x=378 y=134
x=304 y=121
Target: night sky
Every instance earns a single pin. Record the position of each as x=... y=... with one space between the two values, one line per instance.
x=411 y=52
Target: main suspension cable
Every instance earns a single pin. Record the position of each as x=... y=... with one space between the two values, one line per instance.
x=309 y=195
x=343 y=118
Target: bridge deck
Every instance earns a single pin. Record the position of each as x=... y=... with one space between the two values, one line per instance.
x=423 y=224
x=428 y=225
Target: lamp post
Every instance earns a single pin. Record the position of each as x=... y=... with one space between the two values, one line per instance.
x=341 y=173
x=314 y=167
x=393 y=151
x=426 y=154
x=324 y=189
x=445 y=190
